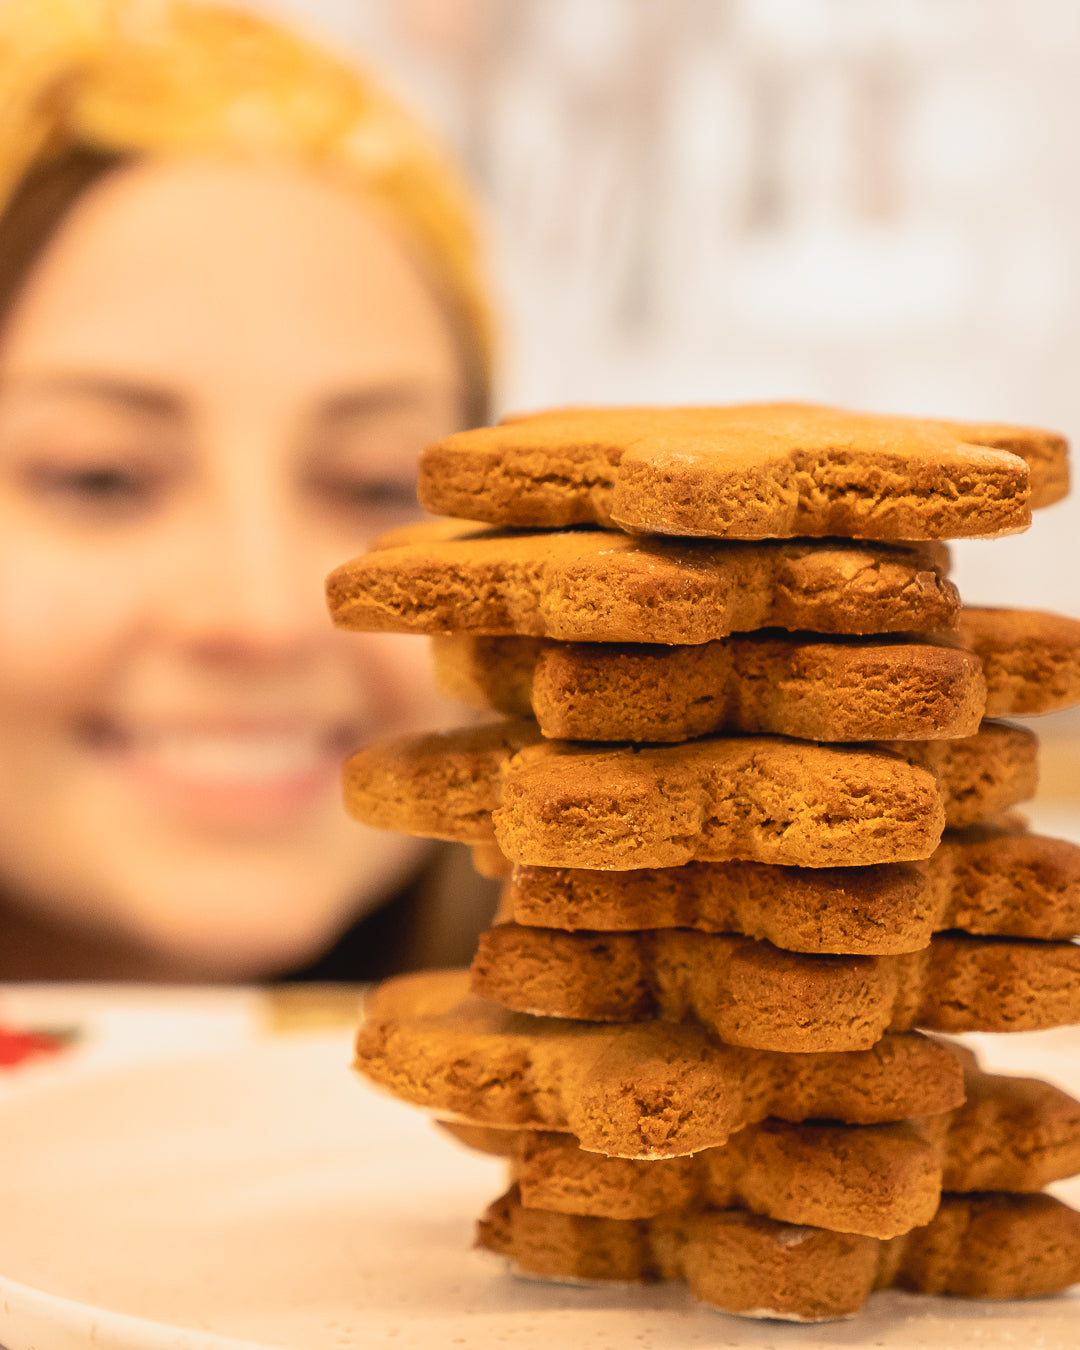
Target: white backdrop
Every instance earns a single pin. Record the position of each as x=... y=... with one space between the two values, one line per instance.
x=873 y=202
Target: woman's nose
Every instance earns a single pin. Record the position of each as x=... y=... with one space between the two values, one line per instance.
x=251 y=590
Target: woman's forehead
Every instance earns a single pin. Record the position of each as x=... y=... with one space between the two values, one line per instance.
x=212 y=271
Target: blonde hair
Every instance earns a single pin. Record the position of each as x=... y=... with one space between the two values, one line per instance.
x=85 y=84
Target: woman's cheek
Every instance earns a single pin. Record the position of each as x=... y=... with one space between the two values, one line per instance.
x=53 y=618
x=68 y=618
x=397 y=667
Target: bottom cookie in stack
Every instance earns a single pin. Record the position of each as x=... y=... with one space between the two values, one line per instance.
x=998 y=1246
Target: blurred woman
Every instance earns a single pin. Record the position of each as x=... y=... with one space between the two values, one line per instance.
x=238 y=293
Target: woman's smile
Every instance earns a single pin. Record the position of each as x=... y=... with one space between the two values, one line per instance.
x=225 y=772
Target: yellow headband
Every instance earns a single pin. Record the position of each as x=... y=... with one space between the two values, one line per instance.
x=177 y=77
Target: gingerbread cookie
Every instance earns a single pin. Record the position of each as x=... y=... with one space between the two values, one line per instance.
x=813 y=688
x=769 y=682
x=747 y=472
x=997 y=1246
x=874 y=1179
x=751 y=993
x=647 y=1090
x=1011 y=1134
x=599 y=586
x=556 y=804
x=1015 y=1134
x=992 y=880
x=981 y=776
x=1030 y=659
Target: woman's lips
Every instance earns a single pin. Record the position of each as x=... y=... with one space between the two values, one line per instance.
x=228 y=775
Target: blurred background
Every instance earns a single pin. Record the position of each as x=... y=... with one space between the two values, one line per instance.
x=873 y=203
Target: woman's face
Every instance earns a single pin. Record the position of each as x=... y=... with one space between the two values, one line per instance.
x=213 y=388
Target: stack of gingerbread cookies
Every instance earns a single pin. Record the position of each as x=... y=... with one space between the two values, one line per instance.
x=755 y=818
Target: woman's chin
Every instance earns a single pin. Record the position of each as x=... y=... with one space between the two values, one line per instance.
x=220 y=942
x=212 y=909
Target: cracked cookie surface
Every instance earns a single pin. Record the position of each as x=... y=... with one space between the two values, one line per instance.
x=765 y=799
x=602 y=586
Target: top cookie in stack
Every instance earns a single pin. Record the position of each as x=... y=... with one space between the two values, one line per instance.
x=755 y=471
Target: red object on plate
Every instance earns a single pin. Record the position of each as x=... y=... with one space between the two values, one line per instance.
x=17 y=1046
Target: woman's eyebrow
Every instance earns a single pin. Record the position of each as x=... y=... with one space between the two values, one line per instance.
x=144 y=398
x=373 y=399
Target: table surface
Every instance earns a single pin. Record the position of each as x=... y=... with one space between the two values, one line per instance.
x=211 y=1164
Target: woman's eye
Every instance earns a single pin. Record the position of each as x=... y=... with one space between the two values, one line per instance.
x=102 y=488
x=101 y=484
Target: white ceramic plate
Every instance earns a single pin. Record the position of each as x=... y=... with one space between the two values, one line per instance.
x=263 y=1197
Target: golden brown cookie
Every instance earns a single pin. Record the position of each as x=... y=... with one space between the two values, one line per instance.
x=558 y=804
x=998 y=1246
x=747 y=472
x=1011 y=1134
x=786 y=684
x=874 y=1179
x=991 y=880
x=979 y=777
x=1015 y=1134
x=1030 y=659
x=769 y=682
x=600 y=586
x=751 y=993
x=647 y=1090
